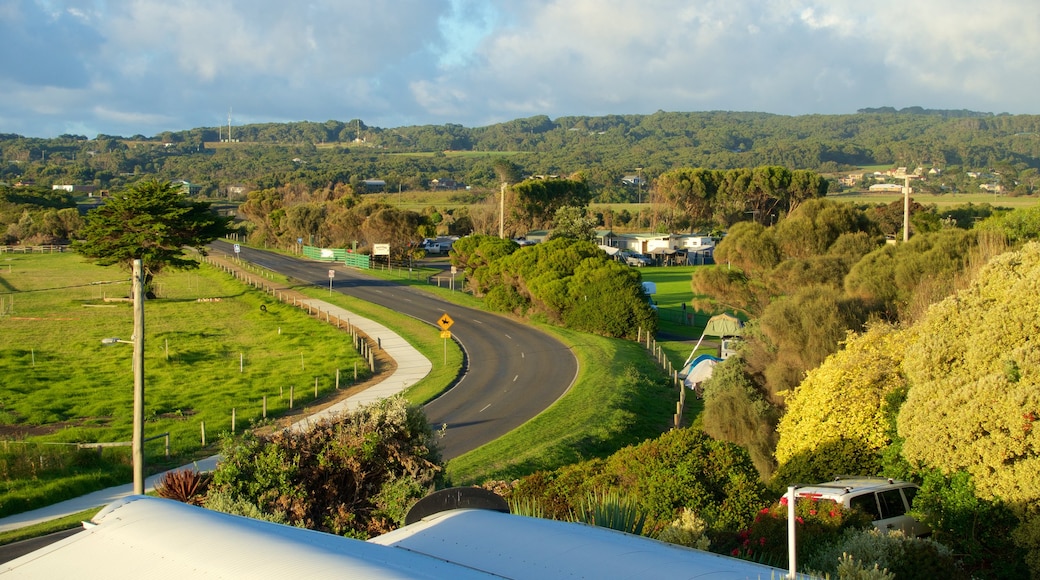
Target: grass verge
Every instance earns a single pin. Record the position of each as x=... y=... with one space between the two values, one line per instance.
x=620 y=398
x=48 y=527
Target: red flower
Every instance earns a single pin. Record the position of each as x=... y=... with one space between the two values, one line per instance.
x=833 y=514
x=763 y=511
x=735 y=552
x=812 y=512
x=783 y=500
x=799 y=519
x=762 y=541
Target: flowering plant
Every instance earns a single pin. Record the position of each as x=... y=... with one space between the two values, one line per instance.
x=817 y=520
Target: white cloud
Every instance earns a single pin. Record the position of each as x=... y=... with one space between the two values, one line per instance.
x=145 y=66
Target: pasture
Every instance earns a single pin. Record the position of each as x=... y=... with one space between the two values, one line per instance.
x=214 y=352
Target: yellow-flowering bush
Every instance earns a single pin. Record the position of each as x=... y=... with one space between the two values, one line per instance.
x=835 y=422
x=974 y=399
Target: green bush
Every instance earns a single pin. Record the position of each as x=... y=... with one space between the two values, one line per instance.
x=977 y=530
x=355 y=475
x=683 y=469
x=904 y=557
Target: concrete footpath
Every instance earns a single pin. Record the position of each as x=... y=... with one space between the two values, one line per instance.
x=412 y=367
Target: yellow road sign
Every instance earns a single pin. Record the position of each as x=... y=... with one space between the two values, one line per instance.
x=445 y=334
x=445 y=322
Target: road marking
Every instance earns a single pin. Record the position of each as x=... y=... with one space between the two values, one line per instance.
x=485 y=408
x=509 y=337
x=515 y=378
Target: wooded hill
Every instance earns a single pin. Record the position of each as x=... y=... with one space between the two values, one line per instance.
x=605 y=148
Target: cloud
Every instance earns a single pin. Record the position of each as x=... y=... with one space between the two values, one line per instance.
x=147 y=66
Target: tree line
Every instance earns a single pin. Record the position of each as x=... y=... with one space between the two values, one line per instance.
x=606 y=148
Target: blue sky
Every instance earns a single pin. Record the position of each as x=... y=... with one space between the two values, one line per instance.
x=126 y=67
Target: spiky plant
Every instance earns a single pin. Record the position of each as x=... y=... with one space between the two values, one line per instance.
x=185 y=485
x=612 y=510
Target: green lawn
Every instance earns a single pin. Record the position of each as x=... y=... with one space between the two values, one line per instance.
x=213 y=350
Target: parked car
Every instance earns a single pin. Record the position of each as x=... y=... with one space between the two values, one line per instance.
x=888 y=501
x=636 y=259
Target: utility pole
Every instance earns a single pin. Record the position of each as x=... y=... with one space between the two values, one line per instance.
x=502 y=211
x=138 y=339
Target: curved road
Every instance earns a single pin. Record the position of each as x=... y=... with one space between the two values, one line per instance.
x=512 y=371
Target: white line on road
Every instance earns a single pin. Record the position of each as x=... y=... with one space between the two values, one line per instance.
x=485 y=408
x=509 y=337
x=515 y=378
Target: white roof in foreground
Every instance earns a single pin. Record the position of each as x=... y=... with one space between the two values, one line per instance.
x=514 y=546
x=147 y=537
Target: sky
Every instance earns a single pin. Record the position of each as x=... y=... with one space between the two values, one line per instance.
x=142 y=67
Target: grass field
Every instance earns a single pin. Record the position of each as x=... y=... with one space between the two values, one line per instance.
x=940 y=201
x=205 y=361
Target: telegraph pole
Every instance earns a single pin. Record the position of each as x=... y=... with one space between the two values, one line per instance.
x=138 y=340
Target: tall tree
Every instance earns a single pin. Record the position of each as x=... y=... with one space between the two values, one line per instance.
x=152 y=221
x=536 y=200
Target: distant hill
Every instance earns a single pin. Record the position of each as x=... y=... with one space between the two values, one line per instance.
x=606 y=148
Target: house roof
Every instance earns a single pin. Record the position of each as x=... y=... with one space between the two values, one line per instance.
x=149 y=537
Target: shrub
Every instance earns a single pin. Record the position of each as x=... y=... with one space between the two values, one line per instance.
x=836 y=418
x=686 y=530
x=964 y=410
x=905 y=557
x=977 y=530
x=818 y=520
x=850 y=569
x=682 y=469
x=353 y=475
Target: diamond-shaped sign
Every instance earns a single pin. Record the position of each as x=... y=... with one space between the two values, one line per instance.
x=445 y=322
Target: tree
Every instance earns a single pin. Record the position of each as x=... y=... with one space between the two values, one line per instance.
x=575 y=223
x=691 y=191
x=536 y=200
x=152 y=221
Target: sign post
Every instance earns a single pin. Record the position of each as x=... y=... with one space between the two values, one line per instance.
x=445 y=323
x=332 y=274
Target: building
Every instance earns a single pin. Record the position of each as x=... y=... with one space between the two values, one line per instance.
x=88 y=189
x=373 y=185
x=187 y=187
x=887 y=187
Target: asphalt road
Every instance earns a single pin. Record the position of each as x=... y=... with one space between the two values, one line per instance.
x=512 y=372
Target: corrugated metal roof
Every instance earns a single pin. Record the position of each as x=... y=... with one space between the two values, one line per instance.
x=513 y=546
x=144 y=537
x=150 y=538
